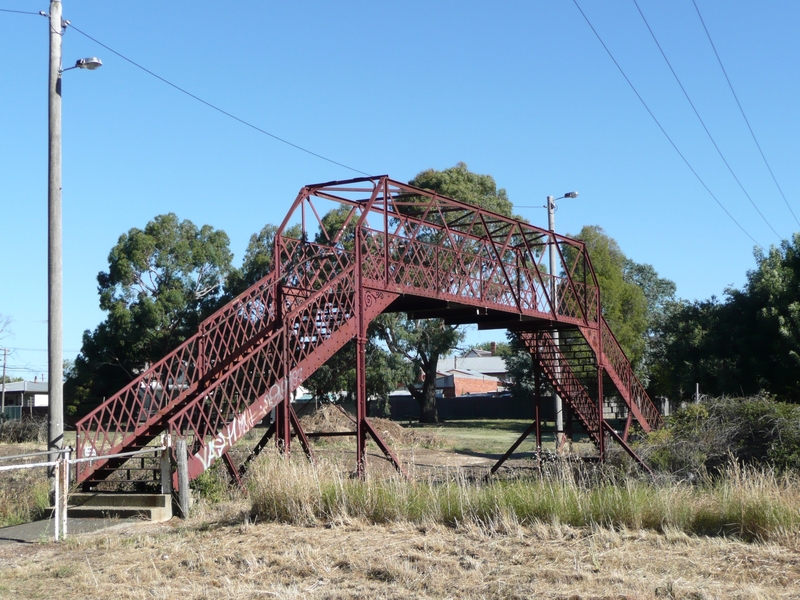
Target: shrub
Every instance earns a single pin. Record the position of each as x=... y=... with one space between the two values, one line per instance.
x=27 y=429
x=702 y=437
x=212 y=485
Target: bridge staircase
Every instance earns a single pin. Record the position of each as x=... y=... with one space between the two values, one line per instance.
x=243 y=362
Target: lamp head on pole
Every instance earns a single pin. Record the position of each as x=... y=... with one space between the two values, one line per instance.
x=570 y=195
x=92 y=63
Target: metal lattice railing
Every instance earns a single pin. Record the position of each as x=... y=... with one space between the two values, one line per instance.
x=561 y=376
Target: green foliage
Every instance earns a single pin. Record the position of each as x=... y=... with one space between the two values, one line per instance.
x=258 y=259
x=162 y=280
x=422 y=343
x=385 y=372
x=24 y=496
x=212 y=485
x=462 y=184
x=520 y=367
x=703 y=437
x=635 y=301
x=744 y=345
x=624 y=302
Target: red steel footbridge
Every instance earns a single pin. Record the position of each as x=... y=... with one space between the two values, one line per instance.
x=399 y=248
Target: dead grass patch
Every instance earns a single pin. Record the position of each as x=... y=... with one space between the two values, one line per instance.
x=198 y=559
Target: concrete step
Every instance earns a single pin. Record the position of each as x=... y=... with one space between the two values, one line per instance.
x=153 y=507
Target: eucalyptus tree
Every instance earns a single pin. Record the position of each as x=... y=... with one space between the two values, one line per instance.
x=161 y=281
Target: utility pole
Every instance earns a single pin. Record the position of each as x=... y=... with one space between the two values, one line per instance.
x=55 y=354
x=3 y=409
x=54 y=252
x=551 y=225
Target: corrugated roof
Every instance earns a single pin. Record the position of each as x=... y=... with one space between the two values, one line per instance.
x=467 y=374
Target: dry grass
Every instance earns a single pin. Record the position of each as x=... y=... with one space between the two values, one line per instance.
x=24 y=493
x=744 y=503
x=314 y=532
x=219 y=559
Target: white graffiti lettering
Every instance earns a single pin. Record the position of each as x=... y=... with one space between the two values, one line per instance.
x=244 y=422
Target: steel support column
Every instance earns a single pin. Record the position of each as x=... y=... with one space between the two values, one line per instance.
x=601 y=445
x=361 y=359
x=537 y=379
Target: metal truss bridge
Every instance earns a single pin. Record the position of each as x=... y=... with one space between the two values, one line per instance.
x=399 y=248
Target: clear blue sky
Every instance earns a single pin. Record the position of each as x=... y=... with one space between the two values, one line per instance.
x=520 y=90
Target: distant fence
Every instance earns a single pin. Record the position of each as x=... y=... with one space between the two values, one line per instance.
x=11 y=413
x=16 y=413
x=473 y=406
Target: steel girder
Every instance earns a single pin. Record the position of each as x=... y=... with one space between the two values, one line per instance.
x=389 y=246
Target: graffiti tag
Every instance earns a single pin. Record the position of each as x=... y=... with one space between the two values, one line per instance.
x=244 y=422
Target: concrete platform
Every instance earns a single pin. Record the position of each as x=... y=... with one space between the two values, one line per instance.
x=98 y=505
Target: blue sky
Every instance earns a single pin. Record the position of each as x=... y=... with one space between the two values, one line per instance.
x=519 y=90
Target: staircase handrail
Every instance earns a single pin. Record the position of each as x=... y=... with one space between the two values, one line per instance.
x=620 y=369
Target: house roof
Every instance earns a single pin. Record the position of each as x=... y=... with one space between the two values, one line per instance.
x=479 y=364
x=466 y=374
x=26 y=386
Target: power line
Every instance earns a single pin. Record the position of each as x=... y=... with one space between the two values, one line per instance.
x=21 y=12
x=739 y=104
x=713 y=141
x=39 y=350
x=224 y=112
x=650 y=112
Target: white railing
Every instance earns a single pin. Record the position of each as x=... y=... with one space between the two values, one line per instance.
x=62 y=468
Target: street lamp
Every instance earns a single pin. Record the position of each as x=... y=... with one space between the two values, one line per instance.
x=86 y=63
x=54 y=251
x=551 y=225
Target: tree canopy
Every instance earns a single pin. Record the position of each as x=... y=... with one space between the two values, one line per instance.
x=624 y=303
x=745 y=344
x=161 y=282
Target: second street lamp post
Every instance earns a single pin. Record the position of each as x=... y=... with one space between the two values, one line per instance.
x=551 y=225
x=55 y=370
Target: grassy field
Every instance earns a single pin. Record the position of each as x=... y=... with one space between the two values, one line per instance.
x=557 y=530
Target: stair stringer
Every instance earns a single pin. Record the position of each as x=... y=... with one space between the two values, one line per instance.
x=559 y=374
x=250 y=320
x=117 y=424
x=236 y=418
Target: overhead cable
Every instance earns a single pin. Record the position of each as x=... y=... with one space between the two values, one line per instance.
x=20 y=12
x=699 y=118
x=650 y=112
x=739 y=104
x=224 y=112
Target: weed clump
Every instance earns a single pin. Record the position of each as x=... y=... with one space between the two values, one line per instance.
x=743 y=502
x=20 y=431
